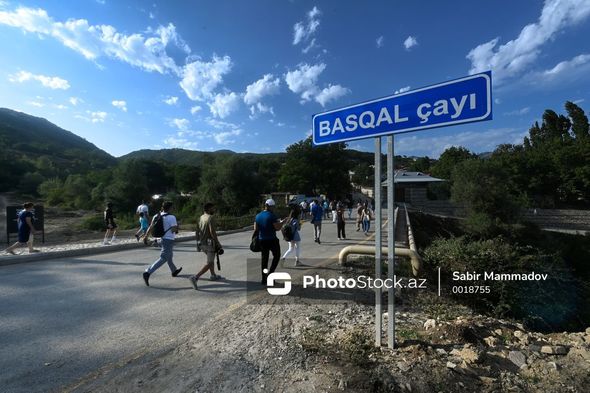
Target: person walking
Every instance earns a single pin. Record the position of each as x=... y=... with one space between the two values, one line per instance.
x=208 y=243
x=333 y=210
x=111 y=226
x=359 y=216
x=266 y=224
x=303 y=206
x=25 y=229
x=143 y=226
x=340 y=223
x=349 y=204
x=325 y=207
x=316 y=219
x=366 y=218
x=165 y=223
x=294 y=243
x=145 y=209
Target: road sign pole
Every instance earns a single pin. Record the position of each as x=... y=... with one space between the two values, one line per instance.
x=391 y=225
x=377 y=207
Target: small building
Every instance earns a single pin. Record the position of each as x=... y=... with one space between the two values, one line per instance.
x=411 y=187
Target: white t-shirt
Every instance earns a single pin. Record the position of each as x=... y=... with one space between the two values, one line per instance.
x=143 y=208
x=169 y=222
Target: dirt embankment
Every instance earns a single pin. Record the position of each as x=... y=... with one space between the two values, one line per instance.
x=327 y=346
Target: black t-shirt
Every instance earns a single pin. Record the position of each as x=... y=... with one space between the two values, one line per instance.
x=109 y=217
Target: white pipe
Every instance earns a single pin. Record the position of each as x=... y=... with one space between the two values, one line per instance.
x=369 y=250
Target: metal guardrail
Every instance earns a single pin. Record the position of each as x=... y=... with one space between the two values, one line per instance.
x=410 y=252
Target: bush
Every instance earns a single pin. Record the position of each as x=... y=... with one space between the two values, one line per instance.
x=559 y=303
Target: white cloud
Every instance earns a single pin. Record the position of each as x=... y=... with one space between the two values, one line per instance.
x=268 y=85
x=260 y=108
x=410 y=42
x=477 y=141
x=195 y=109
x=303 y=80
x=36 y=103
x=516 y=56
x=170 y=100
x=518 y=112
x=181 y=124
x=75 y=101
x=61 y=106
x=200 y=79
x=97 y=117
x=224 y=104
x=95 y=41
x=309 y=47
x=402 y=90
x=180 y=143
x=226 y=138
x=578 y=101
x=52 y=82
x=303 y=31
x=380 y=41
x=120 y=104
x=331 y=93
x=221 y=124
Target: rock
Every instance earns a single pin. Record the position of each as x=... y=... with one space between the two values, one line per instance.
x=451 y=365
x=588 y=330
x=559 y=350
x=584 y=353
x=441 y=351
x=535 y=348
x=517 y=358
x=467 y=354
x=491 y=341
x=498 y=332
x=487 y=380
x=342 y=384
x=552 y=366
x=518 y=334
x=547 y=349
x=430 y=323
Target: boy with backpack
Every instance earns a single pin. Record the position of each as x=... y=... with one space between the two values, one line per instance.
x=164 y=226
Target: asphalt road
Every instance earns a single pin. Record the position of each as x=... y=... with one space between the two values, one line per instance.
x=62 y=320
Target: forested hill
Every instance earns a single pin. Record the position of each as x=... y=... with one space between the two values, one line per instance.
x=28 y=137
x=190 y=157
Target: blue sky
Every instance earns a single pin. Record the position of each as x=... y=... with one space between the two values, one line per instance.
x=249 y=75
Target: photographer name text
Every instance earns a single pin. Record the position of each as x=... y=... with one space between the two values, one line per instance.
x=492 y=276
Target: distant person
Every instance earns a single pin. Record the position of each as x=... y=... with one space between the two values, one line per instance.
x=208 y=243
x=110 y=224
x=144 y=208
x=350 y=204
x=295 y=241
x=340 y=223
x=25 y=229
x=143 y=226
x=164 y=226
x=317 y=214
x=304 y=207
x=366 y=219
x=333 y=210
x=359 y=216
x=266 y=224
x=325 y=207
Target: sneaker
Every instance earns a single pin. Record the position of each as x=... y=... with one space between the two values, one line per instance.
x=339 y=238
x=297 y=263
x=215 y=277
x=358 y=229
x=137 y=237
x=146 y=278
x=194 y=280
x=175 y=273
x=105 y=243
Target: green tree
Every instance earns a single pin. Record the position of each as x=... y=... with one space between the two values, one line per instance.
x=316 y=170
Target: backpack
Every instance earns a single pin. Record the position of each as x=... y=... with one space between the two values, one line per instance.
x=288 y=231
x=158 y=230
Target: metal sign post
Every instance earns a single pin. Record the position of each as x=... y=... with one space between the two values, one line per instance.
x=377 y=207
x=391 y=225
x=460 y=101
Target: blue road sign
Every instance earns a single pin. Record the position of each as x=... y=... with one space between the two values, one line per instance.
x=459 y=101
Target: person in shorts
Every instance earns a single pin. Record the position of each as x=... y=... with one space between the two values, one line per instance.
x=143 y=226
x=25 y=229
x=208 y=243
